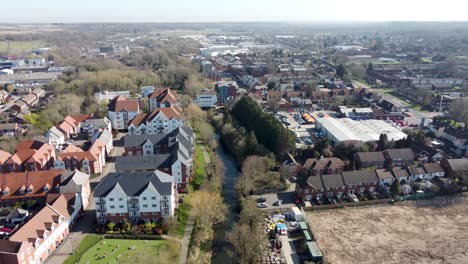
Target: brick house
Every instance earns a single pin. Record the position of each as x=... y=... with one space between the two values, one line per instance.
x=323 y=166
x=310 y=188
x=333 y=184
x=360 y=181
x=398 y=157
x=456 y=168
x=369 y=159
x=91 y=161
x=30 y=155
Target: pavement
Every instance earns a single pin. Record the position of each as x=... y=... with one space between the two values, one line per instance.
x=288 y=250
x=87 y=223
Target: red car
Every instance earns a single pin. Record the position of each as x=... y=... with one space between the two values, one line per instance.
x=5 y=231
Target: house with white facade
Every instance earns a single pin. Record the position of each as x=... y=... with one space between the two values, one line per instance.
x=135 y=196
x=91 y=126
x=159 y=121
x=207 y=99
x=121 y=111
x=163 y=97
x=106 y=95
x=54 y=136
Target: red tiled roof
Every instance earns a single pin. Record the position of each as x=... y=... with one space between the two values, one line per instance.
x=4 y=156
x=80 y=118
x=163 y=95
x=120 y=103
x=138 y=119
x=13 y=182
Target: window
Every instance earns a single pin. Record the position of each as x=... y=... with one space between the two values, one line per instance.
x=121 y=206
x=145 y=205
x=144 y=198
x=120 y=199
x=153 y=205
x=112 y=207
x=153 y=198
x=111 y=199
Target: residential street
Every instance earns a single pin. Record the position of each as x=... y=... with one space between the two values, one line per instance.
x=87 y=223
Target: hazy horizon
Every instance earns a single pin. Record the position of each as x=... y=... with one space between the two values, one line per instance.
x=302 y=11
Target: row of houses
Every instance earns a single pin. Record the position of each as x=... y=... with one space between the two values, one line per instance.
x=360 y=181
x=64 y=196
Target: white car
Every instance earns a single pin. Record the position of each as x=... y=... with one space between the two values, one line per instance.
x=262 y=205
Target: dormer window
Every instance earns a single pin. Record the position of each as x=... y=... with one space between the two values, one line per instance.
x=29 y=189
x=46 y=189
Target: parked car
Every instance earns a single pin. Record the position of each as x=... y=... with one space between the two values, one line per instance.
x=262 y=205
x=261 y=200
x=278 y=203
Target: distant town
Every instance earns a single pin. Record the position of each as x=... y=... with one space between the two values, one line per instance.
x=233 y=143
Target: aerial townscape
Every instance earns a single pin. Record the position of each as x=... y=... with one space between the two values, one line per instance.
x=138 y=140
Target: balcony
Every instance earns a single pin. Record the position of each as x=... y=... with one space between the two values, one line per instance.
x=133 y=208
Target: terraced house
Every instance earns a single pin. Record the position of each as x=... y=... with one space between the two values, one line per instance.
x=159 y=121
x=121 y=111
x=29 y=156
x=162 y=98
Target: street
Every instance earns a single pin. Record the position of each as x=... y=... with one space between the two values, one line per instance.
x=87 y=223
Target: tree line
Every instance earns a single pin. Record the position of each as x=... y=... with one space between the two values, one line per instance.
x=267 y=130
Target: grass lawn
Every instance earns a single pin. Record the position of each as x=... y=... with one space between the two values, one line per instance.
x=88 y=242
x=119 y=251
x=18 y=46
x=183 y=213
x=199 y=167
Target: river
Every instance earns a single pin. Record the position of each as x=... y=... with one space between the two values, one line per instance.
x=231 y=172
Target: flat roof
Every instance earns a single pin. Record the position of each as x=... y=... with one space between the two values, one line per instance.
x=346 y=129
x=303 y=225
x=314 y=249
x=307 y=235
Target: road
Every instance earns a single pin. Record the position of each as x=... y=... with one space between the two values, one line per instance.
x=415 y=116
x=86 y=225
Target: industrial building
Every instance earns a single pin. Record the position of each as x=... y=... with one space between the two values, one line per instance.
x=346 y=130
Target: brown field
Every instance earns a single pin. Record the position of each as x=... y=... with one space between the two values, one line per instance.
x=425 y=231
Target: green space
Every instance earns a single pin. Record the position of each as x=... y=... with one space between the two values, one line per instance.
x=88 y=242
x=13 y=47
x=183 y=213
x=199 y=167
x=131 y=251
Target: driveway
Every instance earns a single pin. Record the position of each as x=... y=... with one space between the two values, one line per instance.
x=287 y=198
x=87 y=223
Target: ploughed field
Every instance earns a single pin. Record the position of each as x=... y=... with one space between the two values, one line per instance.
x=424 y=231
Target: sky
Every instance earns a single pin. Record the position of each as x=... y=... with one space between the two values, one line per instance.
x=70 y=11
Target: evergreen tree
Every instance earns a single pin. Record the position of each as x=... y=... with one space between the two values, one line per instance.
x=341 y=71
x=395 y=188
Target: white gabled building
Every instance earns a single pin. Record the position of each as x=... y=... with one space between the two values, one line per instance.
x=159 y=121
x=121 y=111
x=135 y=196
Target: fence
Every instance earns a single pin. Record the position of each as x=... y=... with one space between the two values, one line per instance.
x=343 y=205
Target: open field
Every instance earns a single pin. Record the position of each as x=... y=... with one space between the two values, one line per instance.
x=18 y=46
x=424 y=231
x=122 y=251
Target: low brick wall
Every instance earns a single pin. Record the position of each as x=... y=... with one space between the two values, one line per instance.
x=344 y=205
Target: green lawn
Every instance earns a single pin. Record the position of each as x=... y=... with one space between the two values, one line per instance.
x=18 y=46
x=126 y=251
x=183 y=213
x=199 y=167
x=87 y=242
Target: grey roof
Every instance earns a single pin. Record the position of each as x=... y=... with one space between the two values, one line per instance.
x=142 y=163
x=133 y=183
x=105 y=136
x=182 y=135
x=400 y=172
x=458 y=164
x=416 y=170
x=102 y=122
x=405 y=154
x=371 y=156
x=78 y=177
x=54 y=131
x=315 y=182
x=359 y=176
x=384 y=174
x=433 y=167
x=332 y=180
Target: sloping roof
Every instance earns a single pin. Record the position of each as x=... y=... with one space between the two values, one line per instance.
x=400 y=172
x=315 y=182
x=4 y=156
x=405 y=154
x=76 y=176
x=80 y=118
x=138 y=119
x=433 y=167
x=458 y=164
x=54 y=132
x=29 y=144
x=10 y=246
x=359 y=176
x=133 y=183
x=139 y=163
x=120 y=103
x=332 y=180
x=416 y=170
x=163 y=95
x=384 y=174
x=331 y=162
x=376 y=156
